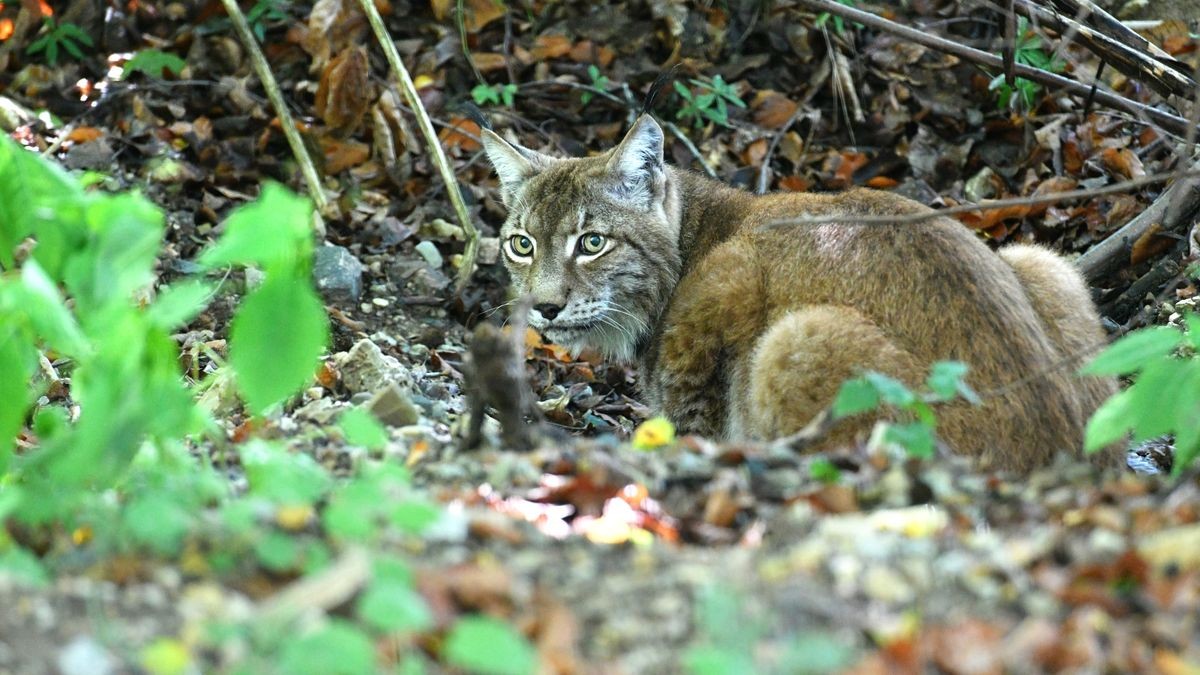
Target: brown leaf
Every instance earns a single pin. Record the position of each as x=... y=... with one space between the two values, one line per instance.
x=341 y=155
x=1124 y=162
x=721 y=507
x=487 y=62
x=1151 y=244
x=84 y=134
x=755 y=152
x=345 y=90
x=550 y=47
x=479 y=13
x=586 y=51
x=452 y=137
x=793 y=184
x=772 y=109
x=882 y=182
x=333 y=25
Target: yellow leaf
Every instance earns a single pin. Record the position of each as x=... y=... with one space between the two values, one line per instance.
x=166 y=656
x=654 y=433
x=422 y=81
x=294 y=518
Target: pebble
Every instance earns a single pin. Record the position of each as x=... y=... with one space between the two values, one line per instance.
x=430 y=253
x=367 y=369
x=337 y=274
x=392 y=406
x=85 y=656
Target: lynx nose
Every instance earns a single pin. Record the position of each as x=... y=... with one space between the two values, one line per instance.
x=548 y=310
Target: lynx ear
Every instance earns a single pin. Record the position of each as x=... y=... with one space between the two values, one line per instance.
x=514 y=164
x=636 y=164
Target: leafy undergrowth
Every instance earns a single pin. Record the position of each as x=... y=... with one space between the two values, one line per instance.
x=184 y=494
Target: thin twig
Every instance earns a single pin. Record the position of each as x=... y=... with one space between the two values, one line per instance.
x=687 y=142
x=409 y=91
x=1034 y=200
x=1170 y=123
x=275 y=96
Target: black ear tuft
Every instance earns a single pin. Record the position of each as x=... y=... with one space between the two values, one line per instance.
x=476 y=115
x=660 y=82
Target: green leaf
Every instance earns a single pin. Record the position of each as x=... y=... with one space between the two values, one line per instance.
x=892 y=391
x=273 y=233
x=179 y=303
x=946 y=380
x=23 y=567
x=153 y=62
x=158 y=521
x=1135 y=351
x=485 y=645
x=339 y=648
x=415 y=515
x=1109 y=423
x=825 y=471
x=361 y=428
x=283 y=477
x=714 y=660
x=277 y=551
x=815 y=653
x=683 y=91
x=277 y=335
x=391 y=606
x=17 y=363
x=48 y=313
x=915 y=437
x=855 y=396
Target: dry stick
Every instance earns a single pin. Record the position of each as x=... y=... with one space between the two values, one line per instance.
x=1034 y=200
x=263 y=70
x=1171 y=123
x=1132 y=63
x=1170 y=209
x=409 y=92
x=1123 y=32
x=687 y=142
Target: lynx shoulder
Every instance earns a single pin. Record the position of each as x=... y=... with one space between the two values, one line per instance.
x=746 y=331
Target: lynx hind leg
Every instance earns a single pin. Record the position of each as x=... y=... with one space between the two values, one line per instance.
x=1061 y=299
x=800 y=363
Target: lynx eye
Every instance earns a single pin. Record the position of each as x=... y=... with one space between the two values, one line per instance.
x=520 y=245
x=592 y=243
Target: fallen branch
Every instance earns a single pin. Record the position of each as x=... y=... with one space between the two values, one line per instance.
x=263 y=70
x=1034 y=200
x=1172 y=210
x=1168 y=122
x=1133 y=63
x=409 y=91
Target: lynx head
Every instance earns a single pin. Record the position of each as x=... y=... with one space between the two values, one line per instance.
x=594 y=240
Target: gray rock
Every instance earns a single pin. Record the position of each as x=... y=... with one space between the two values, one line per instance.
x=392 y=406
x=338 y=274
x=85 y=656
x=367 y=369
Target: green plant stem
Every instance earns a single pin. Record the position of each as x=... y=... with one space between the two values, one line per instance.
x=263 y=70
x=435 y=148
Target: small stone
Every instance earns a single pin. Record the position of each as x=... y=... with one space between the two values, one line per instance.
x=430 y=253
x=380 y=302
x=85 y=656
x=366 y=308
x=338 y=274
x=392 y=406
x=489 y=250
x=367 y=369
x=884 y=584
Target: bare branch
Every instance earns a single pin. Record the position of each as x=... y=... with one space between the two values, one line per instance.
x=409 y=91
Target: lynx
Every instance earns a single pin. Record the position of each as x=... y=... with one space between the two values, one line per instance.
x=742 y=329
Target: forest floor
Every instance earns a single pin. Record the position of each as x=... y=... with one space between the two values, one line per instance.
x=692 y=556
